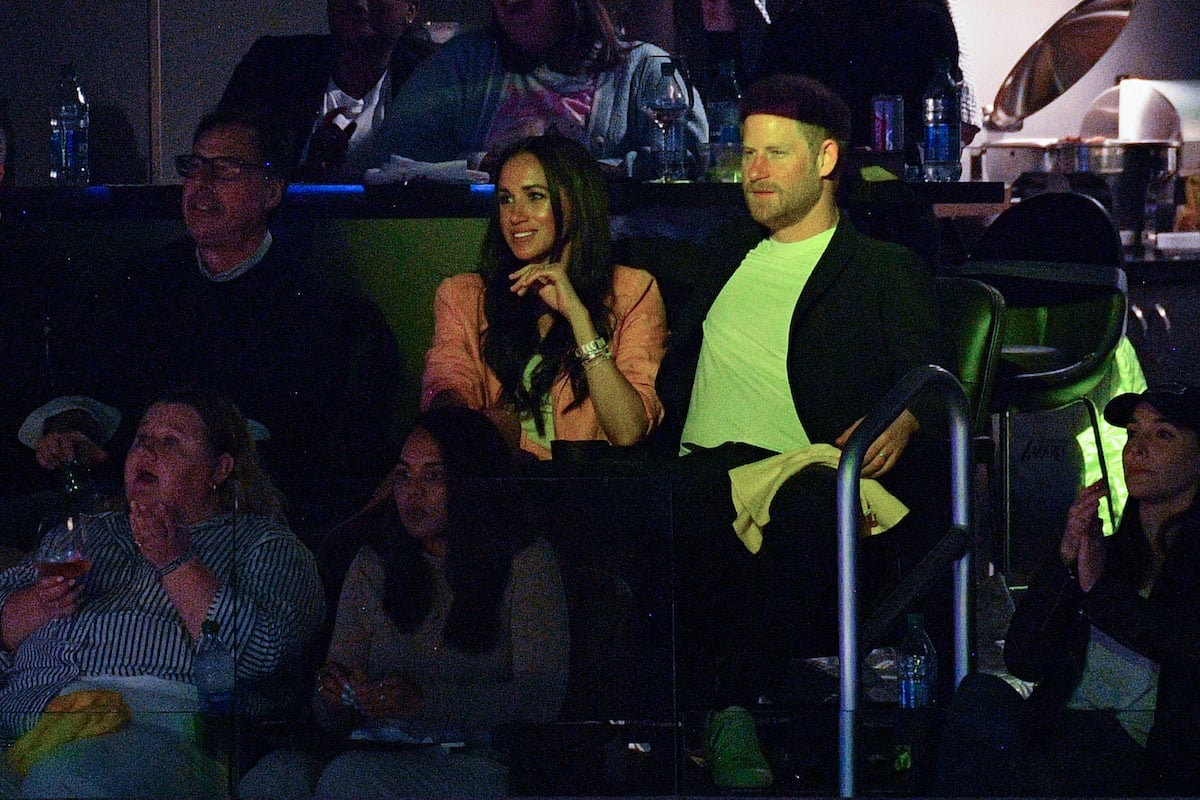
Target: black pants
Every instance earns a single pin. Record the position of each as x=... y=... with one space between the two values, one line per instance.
x=989 y=748
x=741 y=617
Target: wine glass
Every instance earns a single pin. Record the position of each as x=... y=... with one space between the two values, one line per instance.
x=664 y=98
x=61 y=551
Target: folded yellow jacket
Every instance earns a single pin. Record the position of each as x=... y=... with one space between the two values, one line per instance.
x=76 y=715
x=754 y=486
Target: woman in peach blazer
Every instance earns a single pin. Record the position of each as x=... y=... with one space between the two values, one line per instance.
x=548 y=337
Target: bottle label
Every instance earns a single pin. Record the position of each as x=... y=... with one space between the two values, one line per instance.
x=914 y=693
x=69 y=148
x=938 y=144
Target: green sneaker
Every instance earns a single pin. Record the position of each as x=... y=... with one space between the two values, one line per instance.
x=735 y=759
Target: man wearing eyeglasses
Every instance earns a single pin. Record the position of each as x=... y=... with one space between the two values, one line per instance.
x=232 y=309
x=228 y=194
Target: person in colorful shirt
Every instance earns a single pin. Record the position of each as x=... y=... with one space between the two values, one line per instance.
x=539 y=66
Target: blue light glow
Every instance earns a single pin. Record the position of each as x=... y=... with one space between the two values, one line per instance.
x=325 y=188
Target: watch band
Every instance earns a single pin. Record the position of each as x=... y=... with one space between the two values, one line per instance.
x=176 y=563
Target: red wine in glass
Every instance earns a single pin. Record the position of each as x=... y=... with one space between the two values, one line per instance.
x=61 y=552
x=64 y=569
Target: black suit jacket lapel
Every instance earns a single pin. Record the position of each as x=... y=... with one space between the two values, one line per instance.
x=830 y=265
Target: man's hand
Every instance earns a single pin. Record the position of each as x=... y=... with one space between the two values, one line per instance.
x=56 y=449
x=885 y=451
x=327 y=146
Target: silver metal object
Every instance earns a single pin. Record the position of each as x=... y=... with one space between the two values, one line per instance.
x=928 y=378
x=1057 y=60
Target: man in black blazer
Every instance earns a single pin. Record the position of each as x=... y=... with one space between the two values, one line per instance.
x=789 y=340
x=315 y=86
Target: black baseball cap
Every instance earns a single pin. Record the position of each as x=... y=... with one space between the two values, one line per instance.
x=801 y=98
x=1178 y=402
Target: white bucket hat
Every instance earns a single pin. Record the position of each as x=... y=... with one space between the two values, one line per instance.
x=107 y=417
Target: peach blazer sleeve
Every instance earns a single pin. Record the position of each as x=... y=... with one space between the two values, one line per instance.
x=455 y=360
x=638 y=343
x=639 y=340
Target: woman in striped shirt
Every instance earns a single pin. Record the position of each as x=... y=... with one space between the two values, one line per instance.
x=202 y=539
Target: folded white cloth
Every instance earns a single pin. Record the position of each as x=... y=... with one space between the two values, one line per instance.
x=754 y=486
x=401 y=170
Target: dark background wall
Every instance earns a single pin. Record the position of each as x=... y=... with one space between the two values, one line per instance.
x=114 y=43
x=111 y=42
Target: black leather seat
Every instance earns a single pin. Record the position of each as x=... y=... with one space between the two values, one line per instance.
x=973 y=314
x=1058 y=227
x=1056 y=258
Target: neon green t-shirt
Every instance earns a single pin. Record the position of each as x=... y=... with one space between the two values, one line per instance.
x=741 y=391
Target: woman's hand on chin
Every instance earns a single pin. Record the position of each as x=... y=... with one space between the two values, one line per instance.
x=552 y=284
x=159 y=537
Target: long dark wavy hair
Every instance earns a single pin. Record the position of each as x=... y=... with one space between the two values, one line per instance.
x=587 y=27
x=487 y=527
x=1130 y=557
x=512 y=337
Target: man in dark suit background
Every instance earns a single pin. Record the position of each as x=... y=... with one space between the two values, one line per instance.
x=328 y=93
x=791 y=340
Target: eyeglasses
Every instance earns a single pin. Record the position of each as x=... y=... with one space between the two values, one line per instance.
x=221 y=168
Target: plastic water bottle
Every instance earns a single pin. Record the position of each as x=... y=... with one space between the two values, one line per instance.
x=916 y=669
x=943 y=126
x=916 y=665
x=724 y=125
x=213 y=672
x=69 y=132
x=1159 y=213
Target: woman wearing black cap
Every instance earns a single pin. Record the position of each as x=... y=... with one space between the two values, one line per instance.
x=1110 y=632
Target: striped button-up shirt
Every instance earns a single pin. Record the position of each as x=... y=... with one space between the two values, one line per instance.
x=269 y=607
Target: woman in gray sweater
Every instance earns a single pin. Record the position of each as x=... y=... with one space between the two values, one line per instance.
x=452 y=621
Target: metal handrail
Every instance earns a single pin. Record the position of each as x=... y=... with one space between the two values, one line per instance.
x=886 y=411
